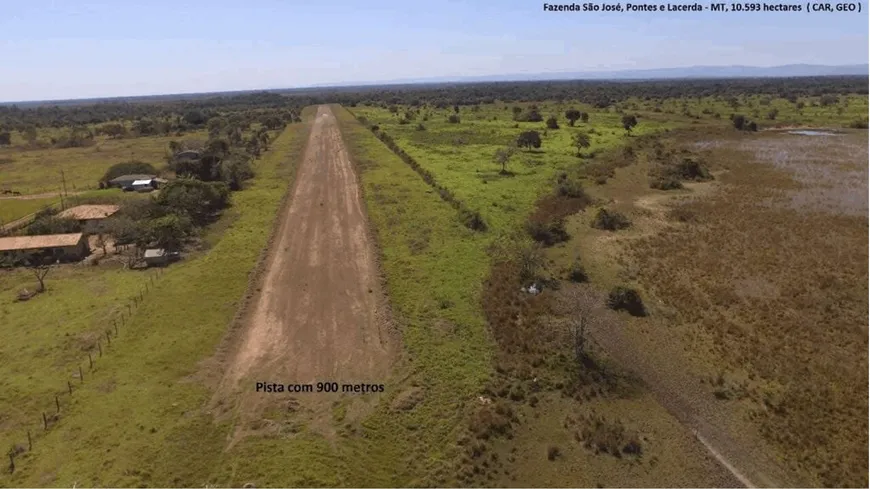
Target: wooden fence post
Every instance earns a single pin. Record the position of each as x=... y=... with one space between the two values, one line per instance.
x=57 y=402
x=69 y=385
x=44 y=420
x=116 y=327
x=11 y=463
x=29 y=442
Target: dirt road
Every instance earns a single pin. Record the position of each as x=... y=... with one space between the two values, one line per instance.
x=319 y=314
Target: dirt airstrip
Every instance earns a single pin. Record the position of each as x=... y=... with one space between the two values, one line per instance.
x=319 y=314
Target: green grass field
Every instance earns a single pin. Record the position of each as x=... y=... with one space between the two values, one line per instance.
x=129 y=414
x=12 y=209
x=34 y=171
x=461 y=156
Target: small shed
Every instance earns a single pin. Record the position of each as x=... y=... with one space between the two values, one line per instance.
x=145 y=185
x=88 y=214
x=63 y=247
x=156 y=257
x=127 y=180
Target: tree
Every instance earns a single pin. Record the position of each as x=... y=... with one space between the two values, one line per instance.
x=53 y=225
x=144 y=127
x=628 y=122
x=216 y=125
x=5 y=138
x=168 y=232
x=195 y=199
x=195 y=118
x=584 y=117
x=113 y=130
x=552 y=123
x=534 y=116
x=453 y=119
x=40 y=269
x=581 y=141
x=739 y=121
x=100 y=229
x=30 y=135
x=503 y=156
x=235 y=170
x=529 y=140
x=573 y=115
x=584 y=310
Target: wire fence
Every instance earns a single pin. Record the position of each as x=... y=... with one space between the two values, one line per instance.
x=102 y=347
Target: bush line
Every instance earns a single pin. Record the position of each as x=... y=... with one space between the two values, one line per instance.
x=470 y=218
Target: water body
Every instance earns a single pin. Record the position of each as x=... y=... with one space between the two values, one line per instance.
x=809 y=132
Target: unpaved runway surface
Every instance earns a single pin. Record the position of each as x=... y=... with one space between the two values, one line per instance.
x=319 y=315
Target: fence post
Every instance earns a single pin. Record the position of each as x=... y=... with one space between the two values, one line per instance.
x=11 y=463
x=81 y=375
x=69 y=385
x=29 y=442
x=90 y=360
x=109 y=336
x=57 y=402
x=44 y=420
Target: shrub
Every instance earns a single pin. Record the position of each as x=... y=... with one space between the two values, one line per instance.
x=691 y=169
x=553 y=453
x=453 y=119
x=577 y=273
x=567 y=187
x=858 y=124
x=421 y=127
x=128 y=168
x=548 y=233
x=626 y=299
x=610 y=220
x=472 y=220
x=682 y=214
x=552 y=123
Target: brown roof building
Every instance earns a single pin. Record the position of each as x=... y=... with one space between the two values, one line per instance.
x=64 y=247
x=89 y=213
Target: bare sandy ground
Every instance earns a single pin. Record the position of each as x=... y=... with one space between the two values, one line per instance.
x=320 y=314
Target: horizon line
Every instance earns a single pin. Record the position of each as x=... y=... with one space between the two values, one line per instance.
x=472 y=79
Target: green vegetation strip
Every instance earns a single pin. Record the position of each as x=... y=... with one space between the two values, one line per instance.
x=471 y=219
x=133 y=421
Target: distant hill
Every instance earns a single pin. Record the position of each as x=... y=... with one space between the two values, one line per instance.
x=694 y=72
x=691 y=72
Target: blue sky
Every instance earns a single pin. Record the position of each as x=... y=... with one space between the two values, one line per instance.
x=72 y=49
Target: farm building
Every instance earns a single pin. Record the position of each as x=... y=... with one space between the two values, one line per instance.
x=63 y=247
x=144 y=185
x=127 y=180
x=87 y=214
